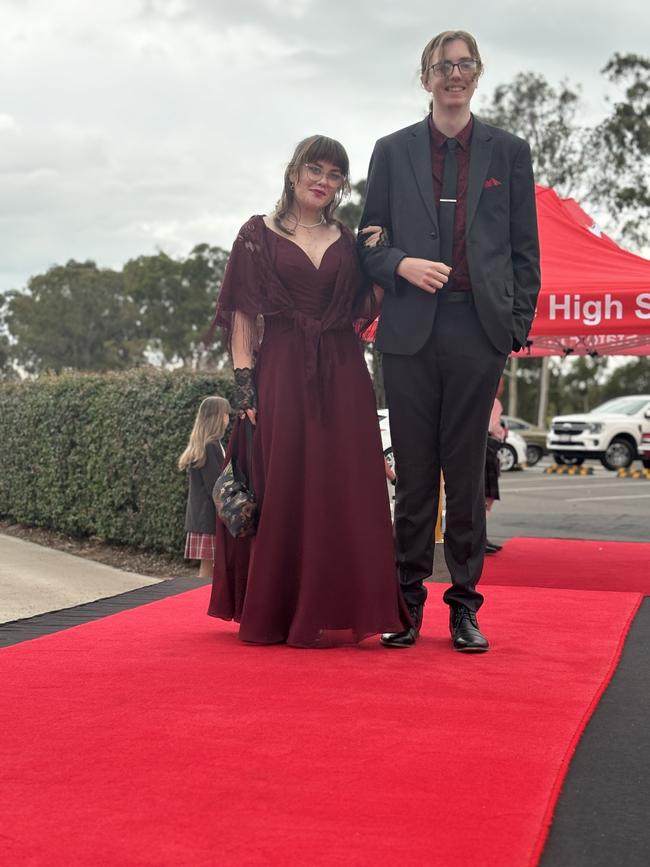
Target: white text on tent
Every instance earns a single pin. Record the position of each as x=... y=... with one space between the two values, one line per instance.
x=595 y=310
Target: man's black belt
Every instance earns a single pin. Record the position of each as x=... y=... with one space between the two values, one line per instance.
x=454 y=296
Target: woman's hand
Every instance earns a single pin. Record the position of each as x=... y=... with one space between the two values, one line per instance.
x=374 y=235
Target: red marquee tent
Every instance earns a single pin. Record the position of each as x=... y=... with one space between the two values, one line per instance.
x=595 y=296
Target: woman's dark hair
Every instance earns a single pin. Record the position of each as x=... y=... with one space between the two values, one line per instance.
x=314 y=149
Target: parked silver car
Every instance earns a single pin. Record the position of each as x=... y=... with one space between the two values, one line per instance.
x=513 y=452
x=535 y=437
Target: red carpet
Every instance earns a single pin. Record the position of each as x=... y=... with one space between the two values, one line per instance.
x=154 y=737
x=571 y=563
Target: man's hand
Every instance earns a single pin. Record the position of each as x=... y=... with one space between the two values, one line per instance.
x=426 y=275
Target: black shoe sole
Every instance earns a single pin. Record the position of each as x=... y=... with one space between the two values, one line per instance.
x=400 y=645
x=470 y=649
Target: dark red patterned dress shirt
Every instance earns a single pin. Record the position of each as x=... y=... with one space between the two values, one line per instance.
x=460 y=269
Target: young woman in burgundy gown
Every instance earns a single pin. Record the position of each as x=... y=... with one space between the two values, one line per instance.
x=320 y=569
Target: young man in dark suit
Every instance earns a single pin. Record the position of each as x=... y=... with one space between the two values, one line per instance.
x=459 y=262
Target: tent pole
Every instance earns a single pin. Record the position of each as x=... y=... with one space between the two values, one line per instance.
x=544 y=381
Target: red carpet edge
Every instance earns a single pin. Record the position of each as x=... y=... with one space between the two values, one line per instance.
x=554 y=794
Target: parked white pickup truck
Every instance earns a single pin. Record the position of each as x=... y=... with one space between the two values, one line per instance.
x=644 y=449
x=612 y=432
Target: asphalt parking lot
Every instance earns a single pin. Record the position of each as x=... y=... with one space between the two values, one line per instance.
x=600 y=506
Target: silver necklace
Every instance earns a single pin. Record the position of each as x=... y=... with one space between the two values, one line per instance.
x=312 y=225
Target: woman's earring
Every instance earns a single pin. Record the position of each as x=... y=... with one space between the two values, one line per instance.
x=291 y=185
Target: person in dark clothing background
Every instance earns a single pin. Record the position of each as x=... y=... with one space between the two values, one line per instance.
x=203 y=462
x=497 y=433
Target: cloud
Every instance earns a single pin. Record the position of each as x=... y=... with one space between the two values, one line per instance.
x=8 y=124
x=129 y=125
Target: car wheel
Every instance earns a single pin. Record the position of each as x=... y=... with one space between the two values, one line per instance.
x=533 y=455
x=507 y=457
x=619 y=454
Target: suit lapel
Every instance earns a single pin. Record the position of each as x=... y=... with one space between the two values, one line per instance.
x=419 y=147
x=479 y=162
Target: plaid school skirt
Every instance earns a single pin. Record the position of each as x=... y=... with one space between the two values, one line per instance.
x=199 y=546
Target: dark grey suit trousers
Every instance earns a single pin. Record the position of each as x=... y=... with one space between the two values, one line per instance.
x=440 y=400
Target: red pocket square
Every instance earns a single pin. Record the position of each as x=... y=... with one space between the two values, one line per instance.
x=492 y=182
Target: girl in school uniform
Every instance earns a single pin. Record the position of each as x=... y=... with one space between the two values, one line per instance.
x=203 y=461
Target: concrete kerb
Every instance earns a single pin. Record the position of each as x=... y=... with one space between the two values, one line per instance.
x=35 y=579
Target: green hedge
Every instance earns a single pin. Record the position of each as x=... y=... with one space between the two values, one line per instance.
x=95 y=454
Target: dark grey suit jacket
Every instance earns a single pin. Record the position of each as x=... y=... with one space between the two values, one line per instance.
x=501 y=235
x=200 y=514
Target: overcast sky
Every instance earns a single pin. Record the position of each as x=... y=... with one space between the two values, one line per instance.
x=135 y=125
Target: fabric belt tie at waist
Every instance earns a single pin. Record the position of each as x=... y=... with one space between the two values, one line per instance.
x=451 y=296
x=311 y=330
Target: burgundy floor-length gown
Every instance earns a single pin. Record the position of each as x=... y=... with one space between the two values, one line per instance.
x=320 y=569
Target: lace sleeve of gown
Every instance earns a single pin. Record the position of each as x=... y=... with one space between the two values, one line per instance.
x=240 y=305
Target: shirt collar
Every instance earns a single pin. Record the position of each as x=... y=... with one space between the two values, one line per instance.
x=463 y=138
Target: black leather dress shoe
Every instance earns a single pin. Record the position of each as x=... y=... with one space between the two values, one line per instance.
x=492 y=547
x=409 y=636
x=465 y=634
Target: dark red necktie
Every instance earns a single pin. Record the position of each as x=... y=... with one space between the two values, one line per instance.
x=447 y=210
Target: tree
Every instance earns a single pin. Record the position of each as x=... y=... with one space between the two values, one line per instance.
x=204 y=269
x=7 y=370
x=530 y=107
x=80 y=317
x=605 y=167
x=74 y=316
x=175 y=300
x=623 y=139
x=350 y=212
x=633 y=377
x=576 y=384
